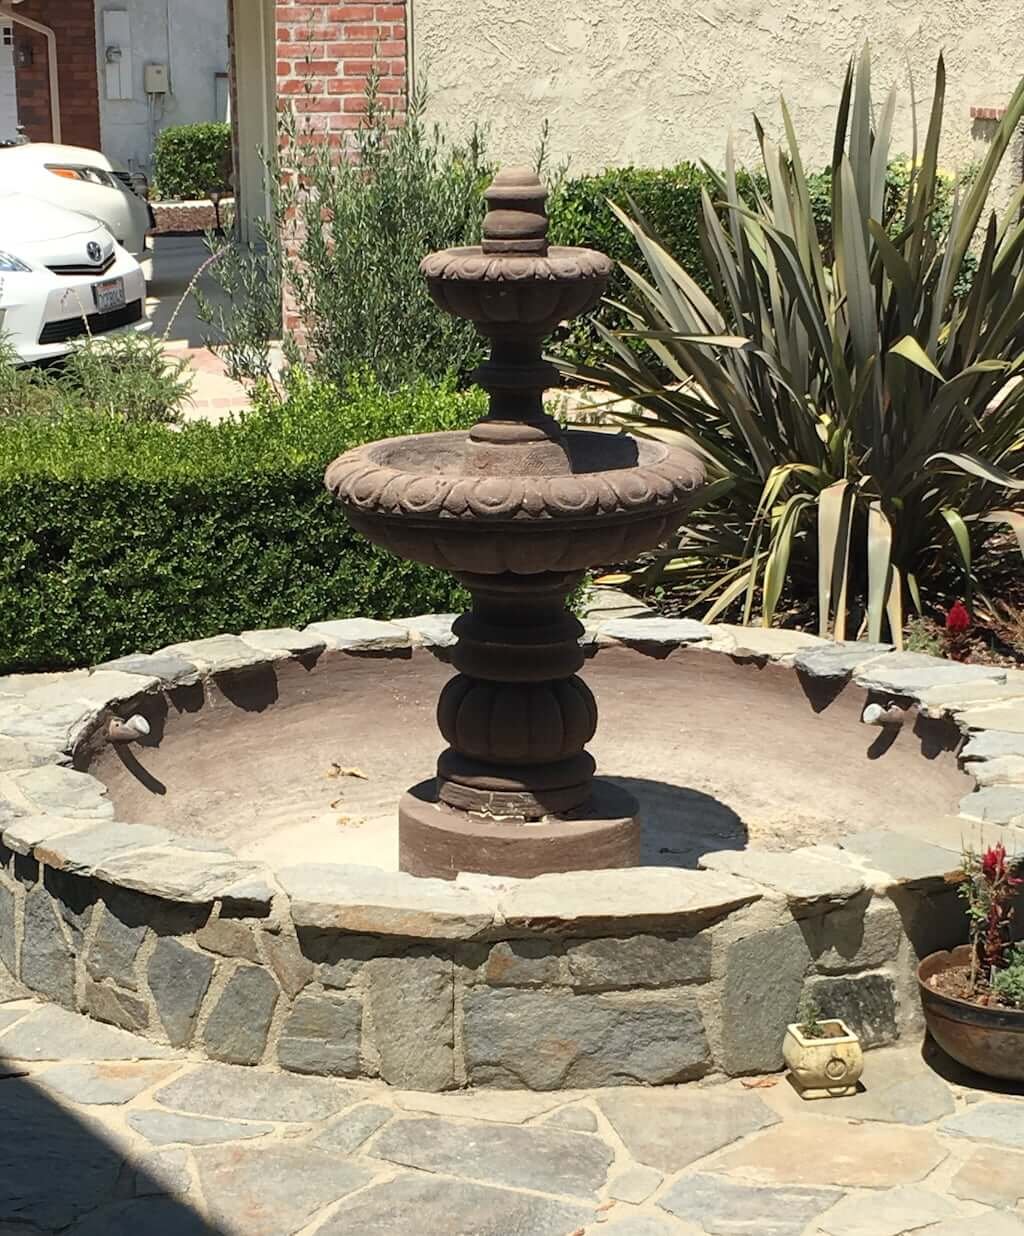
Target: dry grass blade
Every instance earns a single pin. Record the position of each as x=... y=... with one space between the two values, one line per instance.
x=879 y=568
x=835 y=509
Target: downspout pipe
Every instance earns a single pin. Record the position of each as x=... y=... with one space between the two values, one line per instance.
x=51 y=55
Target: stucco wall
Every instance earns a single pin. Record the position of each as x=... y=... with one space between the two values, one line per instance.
x=654 y=81
x=195 y=46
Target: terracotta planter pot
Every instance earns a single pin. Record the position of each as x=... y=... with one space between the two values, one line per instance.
x=824 y=1068
x=983 y=1038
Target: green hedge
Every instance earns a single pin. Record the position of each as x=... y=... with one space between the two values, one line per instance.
x=192 y=161
x=116 y=536
x=580 y=215
x=670 y=201
x=669 y=198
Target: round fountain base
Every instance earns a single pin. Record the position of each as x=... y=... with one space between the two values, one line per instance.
x=439 y=841
x=786 y=846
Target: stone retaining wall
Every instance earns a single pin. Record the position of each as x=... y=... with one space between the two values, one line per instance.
x=651 y=975
x=189 y=217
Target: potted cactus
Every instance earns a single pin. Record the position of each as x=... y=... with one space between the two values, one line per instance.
x=973 y=997
x=824 y=1056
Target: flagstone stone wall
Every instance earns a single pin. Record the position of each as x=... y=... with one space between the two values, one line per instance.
x=647 y=976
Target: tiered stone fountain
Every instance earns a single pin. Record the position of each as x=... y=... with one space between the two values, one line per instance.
x=517 y=508
x=198 y=843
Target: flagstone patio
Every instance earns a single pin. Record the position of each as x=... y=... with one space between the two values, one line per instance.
x=108 y=1134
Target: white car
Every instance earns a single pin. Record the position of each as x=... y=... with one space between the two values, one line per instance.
x=82 y=180
x=63 y=277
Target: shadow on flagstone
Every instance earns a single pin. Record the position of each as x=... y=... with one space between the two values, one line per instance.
x=63 y=1172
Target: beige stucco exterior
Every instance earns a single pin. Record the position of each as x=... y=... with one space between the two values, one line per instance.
x=652 y=82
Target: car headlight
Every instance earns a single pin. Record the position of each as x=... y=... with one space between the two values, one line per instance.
x=9 y=262
x=94 y=175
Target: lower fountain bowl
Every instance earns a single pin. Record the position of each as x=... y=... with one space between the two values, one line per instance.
x=437 y=840
x=252 y=860
x=414 y=497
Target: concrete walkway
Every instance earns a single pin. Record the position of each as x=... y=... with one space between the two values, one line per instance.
x=105 y=1134
x=170 y=268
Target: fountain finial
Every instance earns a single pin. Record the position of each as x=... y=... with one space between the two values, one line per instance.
x=516 y=221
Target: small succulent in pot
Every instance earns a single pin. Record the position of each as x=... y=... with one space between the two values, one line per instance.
x=823 y=1054
x=1008 y=983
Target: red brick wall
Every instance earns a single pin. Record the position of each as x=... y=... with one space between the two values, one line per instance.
x=326 y=50
x=325 y=53
x=74 y=23
x=32 y=82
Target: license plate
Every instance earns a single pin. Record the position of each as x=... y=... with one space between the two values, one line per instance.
x=108 y=295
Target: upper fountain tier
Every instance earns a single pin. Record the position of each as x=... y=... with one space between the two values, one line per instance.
x=514 y=286
x=517 y=492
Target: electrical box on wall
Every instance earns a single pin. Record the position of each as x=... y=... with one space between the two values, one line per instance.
x=117 y=53
x=155 y=79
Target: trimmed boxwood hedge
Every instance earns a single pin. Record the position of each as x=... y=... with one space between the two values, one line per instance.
x=192 y=160
x=117 y=536
x=668 y=196
x=669 y=199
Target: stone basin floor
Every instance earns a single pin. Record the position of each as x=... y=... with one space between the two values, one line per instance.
x=106 y=1134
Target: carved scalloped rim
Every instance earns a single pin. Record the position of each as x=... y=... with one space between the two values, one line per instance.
x=370 y=488
x=559 y=265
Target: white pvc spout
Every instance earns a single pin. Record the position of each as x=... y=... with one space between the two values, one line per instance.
x=890 y=714
x=132 y=730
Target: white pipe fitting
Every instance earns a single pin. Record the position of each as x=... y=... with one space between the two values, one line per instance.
x=132 y=730
x=890 y=714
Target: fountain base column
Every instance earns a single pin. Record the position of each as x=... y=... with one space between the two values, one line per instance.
x=515 y=792
x=437 y=840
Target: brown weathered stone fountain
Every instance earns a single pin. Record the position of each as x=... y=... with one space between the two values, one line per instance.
x=517 y=508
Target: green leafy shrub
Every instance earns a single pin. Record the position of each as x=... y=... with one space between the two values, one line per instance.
x=131 y=376
x=117 y=535
x=191 y=161
x=249 y=315
x=922 y=635
x=24 y=391
x=126 y=376
x=860 y=417
x=355 y=229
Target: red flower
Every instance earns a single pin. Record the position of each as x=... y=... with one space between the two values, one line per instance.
x=958 y=619
x=993 y=862
x=994 y=866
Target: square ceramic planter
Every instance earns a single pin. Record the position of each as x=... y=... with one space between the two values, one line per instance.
x=824 y=1068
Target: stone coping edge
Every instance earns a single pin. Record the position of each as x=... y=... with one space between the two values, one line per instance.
x=62 y=818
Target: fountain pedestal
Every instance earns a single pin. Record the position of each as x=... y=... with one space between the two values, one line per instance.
x=515 y=790
x=518 y=508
